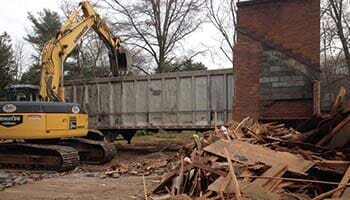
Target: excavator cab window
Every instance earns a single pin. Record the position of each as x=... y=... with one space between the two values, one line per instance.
x=22 y=93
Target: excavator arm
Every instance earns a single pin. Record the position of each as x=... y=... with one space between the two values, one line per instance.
x=71 y=33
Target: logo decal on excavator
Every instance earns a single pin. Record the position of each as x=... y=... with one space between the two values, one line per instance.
x=9 y=108
x=77 y=38
x=9 y=121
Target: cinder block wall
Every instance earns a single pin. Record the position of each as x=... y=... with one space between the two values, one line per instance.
x=276 y=59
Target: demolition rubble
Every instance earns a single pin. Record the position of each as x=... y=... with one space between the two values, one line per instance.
x=251 y=160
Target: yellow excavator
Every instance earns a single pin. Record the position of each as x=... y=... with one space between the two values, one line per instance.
x=40 y=129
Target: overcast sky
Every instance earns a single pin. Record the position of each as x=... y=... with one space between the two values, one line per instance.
x=13 y=15
x=13 y=19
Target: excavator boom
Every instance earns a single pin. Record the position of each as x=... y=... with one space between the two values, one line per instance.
x=70 y=35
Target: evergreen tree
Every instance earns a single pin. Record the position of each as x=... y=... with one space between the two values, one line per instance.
x=7 y=63
x=44 y=27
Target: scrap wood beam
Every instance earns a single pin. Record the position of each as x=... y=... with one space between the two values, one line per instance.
x=186 y=168
x=338 y=101
x=327 y=194
x=334 y=131
x=169 y=177
x=275 y=171
x=342 y=184
x=209 y=169
x=294 y=180
x=249 y=154
x=236 y=187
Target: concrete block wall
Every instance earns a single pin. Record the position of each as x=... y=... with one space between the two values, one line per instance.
x=275 y=58
x=283 y=78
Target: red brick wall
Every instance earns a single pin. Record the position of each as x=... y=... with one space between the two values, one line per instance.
x=247 y=55
x=285 y=110
x=294 y=24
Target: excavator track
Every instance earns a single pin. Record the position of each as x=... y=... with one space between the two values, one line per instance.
x=62 y=156
x=38 y=156
x=91 y=151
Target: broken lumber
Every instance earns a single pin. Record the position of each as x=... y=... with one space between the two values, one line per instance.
x=250 y=154
x=236 y=188
x=342 y=184
x=338 y=101
x=270 y=184
x=327 y=194
x=334 y=131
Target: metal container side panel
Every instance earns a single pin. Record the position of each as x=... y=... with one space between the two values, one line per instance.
x=92 y=104
x=116 y=104
x=217 y=99
x=128 y=103
x=80 y=96
x=170 y=102
x=173 y=100
x=201 y=111
x=141 y=98
x=69 y=93
x=155 y=103
x=230 y=89
x=104 y=104
x=185 y=101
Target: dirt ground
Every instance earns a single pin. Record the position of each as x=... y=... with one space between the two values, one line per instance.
x=148 y=155
x=78 y=186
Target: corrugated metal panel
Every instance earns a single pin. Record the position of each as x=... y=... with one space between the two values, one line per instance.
x=171 y=100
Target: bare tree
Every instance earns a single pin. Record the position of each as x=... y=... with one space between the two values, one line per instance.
x=338 y=14
x=335 y=38
x=222 y=15
x=20 y=59
x=157 y=27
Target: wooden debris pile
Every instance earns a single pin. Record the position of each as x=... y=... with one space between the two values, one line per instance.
x=250 y=160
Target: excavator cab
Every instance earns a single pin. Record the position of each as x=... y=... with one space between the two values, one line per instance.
x=22 y=92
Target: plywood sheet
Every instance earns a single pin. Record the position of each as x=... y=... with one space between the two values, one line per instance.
x=250 y=154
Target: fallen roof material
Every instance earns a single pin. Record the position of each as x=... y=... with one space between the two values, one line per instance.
x=251 y=160
x=243 y=152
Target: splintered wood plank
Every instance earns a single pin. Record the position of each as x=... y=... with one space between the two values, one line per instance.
x=344 y=181
x=216 y=185
x=209 y=169
x=346 y=193
x=275 y=171
x=339 y=136
x=338 y=101
x=316 y=97
x=251 y=191
x=236 y=187
x=327 y=194
x=168 y=178
x=258 y=192
x=339 y=165
x=246 y=153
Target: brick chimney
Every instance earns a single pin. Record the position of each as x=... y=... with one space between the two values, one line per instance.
x=277 y=57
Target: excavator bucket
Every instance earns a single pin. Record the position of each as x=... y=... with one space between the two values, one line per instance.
x=120 y=60
x=124 y=59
